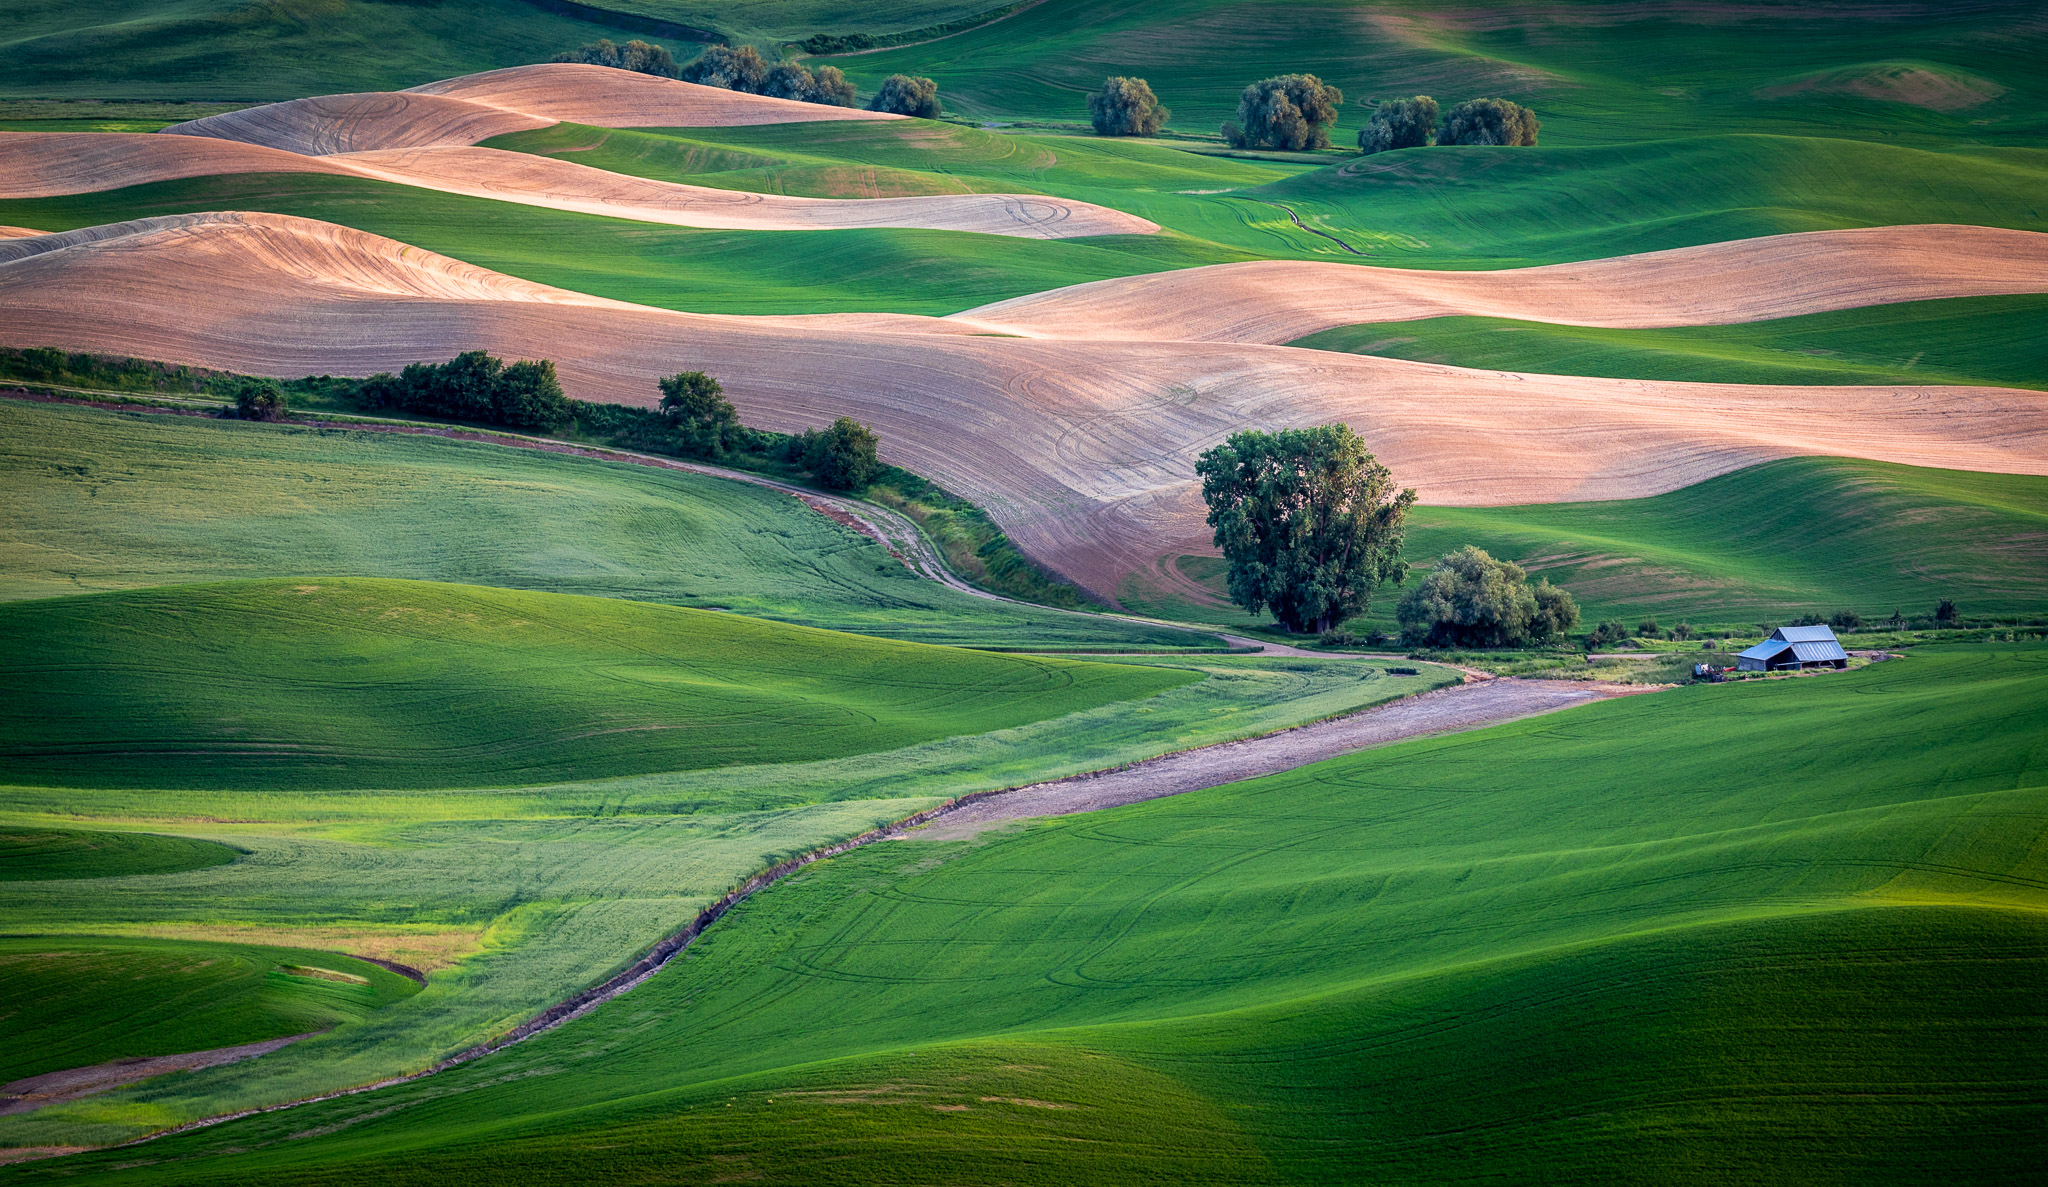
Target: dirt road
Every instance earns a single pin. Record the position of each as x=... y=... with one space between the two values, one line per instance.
x=1446 y=710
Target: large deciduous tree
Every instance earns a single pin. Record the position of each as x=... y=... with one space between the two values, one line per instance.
x=1308 y=520
x=1126 y=107
x=1489 y=121
x=1292 y=111
x=841 y=456
x=1399 y=123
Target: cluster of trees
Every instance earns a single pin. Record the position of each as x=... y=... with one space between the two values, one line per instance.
x=1309 y=523
x=741 y=68
x=641 y=57
x=1292 y=111
x=696 y=420
x=1126 y=107
x=476 y=386
x=1472 y=600
x=1413 y=123
x=905 y=95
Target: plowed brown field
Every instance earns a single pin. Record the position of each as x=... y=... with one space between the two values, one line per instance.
x=1276 y=301
x=476 y=107
x=1082 y=449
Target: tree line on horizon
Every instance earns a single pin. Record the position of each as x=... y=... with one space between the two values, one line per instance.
x=1294 y=112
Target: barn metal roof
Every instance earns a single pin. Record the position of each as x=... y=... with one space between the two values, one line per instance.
x=1813 y=653
x=1804 y=652
x=1804 y=634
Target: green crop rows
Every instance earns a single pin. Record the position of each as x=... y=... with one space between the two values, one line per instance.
x=1646 y=933
x=75 y=1001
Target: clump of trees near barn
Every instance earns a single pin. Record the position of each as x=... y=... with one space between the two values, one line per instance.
x=1126 y=107
x=1413 y=123
x=1472 y=600
x=1309 y=523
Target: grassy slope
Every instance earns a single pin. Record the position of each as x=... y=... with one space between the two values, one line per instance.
x=273 y=49
x=514 y=898
x=1595 y=74
x=98 y=500
x=45 y=854
x=365 y=682
x=1772 y=931
x=1987 y=341
x=1769 y=542
x=73 y=1001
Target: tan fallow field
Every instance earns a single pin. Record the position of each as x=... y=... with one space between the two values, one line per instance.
x=476 y=107
x=1275 y=301
x=1083 y=449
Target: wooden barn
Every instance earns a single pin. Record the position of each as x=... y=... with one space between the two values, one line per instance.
x=1794 y=649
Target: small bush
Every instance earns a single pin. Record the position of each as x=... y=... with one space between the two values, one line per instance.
x=1648 y=629
x=1607 y=634
x=641 y=57
x=1683 y=631
x=1400 y=123
x=259 y=399
x=1946 y=614
x=701 y=421
x=1126 y=107
x=733 y=68
x=841 y=457
x=904 y=95
x=1489 y=121
x=1337 y=637
x=1846 y=620
x=1291 y=111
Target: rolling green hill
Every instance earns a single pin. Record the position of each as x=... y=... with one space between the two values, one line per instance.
x=98 y=500
x=1978 y=341
x=74 y=1001
x=1803 y=535
x=1720 y=933
x=359 y=682
x=1596 y=73
x=49 y=854
x=262 y=50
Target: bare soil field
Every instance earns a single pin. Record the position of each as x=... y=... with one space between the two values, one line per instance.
x=475 y=107
x=1276 y=301
x=1082 y=450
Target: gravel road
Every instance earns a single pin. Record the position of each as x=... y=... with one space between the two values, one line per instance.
x=1446 y=710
